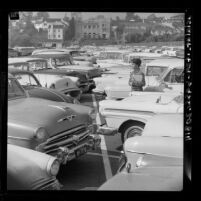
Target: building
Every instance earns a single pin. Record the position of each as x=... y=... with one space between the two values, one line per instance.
x=177 y=18
x=55 y=31
x=96 y=28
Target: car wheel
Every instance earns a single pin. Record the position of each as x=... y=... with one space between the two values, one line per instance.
x=132 y=129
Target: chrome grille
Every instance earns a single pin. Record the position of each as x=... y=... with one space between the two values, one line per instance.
x=70 y=139
x=46 y=184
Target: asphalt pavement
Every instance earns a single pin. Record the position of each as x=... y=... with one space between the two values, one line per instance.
x=91 y=170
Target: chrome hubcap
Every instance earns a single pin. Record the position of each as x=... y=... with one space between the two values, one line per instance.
x=132 y=132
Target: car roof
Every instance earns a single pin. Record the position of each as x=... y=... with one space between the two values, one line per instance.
x=52 y=54
x=52 y=50
x=23 y=59
x=145 y=54
x=170 y=62
x=115 y=51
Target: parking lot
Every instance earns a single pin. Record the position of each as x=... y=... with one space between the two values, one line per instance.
x=91 y=170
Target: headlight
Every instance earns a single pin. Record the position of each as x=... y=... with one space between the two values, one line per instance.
x=53 y=167
x=41 y=134
x=77 y=83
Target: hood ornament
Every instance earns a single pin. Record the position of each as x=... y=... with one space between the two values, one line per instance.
x=68 y=118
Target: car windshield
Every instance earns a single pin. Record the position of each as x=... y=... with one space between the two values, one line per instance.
x=63 y=61
x=26 y=80
x=155 y=70
x=14 y=89
x=36 y=65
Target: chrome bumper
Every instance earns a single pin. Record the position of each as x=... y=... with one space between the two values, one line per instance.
x=65 y=154
x=105 y=130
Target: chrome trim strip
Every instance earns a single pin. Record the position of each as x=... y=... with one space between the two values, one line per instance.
x=19 y=138
x=153 y=154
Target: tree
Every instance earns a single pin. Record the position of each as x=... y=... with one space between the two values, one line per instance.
x=129 y=16
x=151 y=17
x=117 y=18
x=69 y=32
x=132 y=16
x=43 y=15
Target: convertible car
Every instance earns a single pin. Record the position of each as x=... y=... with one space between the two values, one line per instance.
x=30 y=83
x=31 y=170
x=60 y=129
x=131 y=114
x=154 y=161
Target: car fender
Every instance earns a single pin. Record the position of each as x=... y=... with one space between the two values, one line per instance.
x=21 y=134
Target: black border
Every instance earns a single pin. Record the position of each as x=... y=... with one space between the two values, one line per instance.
x=64 y=195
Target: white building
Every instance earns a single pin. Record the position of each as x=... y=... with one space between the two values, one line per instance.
x=98 y=27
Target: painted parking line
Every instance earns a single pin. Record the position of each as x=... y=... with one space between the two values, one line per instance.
x=106 y=162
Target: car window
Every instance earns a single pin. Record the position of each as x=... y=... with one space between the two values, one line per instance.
x=14 y=89
x=26 y=80
x=21 y=66
x=36 y=65
x=61 y=62
x=155 y=70
x=175 y=76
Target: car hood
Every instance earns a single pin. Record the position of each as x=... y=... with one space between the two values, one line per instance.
x=50 y=94
x=92 y=71
x=169 y=178
x=141 y=104
x=45 y=113
x=77 y=67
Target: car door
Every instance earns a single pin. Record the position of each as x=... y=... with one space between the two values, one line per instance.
x=175 y=79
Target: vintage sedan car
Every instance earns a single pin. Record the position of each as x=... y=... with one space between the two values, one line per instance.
x=13 y=53
x=130 y=115
x=31 y=170
x=60 y=129
x=49 y=77
x=110 y=58
x=30 y=83
x=154 y=161
x=25 y=51
x=164 y=73
x=64 y=60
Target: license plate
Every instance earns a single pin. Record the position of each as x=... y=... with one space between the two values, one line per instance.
x=81 y=151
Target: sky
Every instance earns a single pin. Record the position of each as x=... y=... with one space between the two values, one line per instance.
x=87 y=15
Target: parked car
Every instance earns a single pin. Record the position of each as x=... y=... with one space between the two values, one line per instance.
x=49 y=77
x=110 y=58
x=13 y=53
x=25 y=51
x=154 y=161
x=31 y=170
x=64 y=60
x=60 y=129
x=30 y=83
x=130 y=115
x=164 y=73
